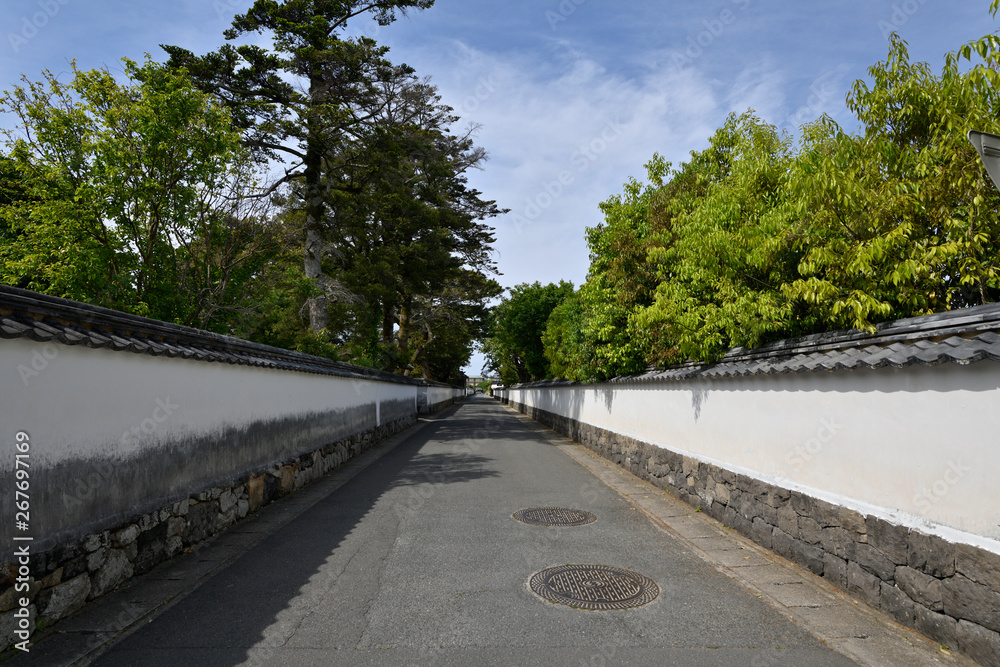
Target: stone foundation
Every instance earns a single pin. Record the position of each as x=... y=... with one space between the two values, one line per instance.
x=947 y=591
x=62 y=580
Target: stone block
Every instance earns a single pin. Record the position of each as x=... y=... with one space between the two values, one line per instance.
x=974 y=602
x=809 y=556
x=808 y=530
x=872 y=560
x=760 y=532
x=896 y=604
x=53 y=579
x=722 y=493
x=797 y=551
x=788 y=520
x=802 y=504
x=66 y=598
x=978 y=643
x=175 y=526
x=8 y=573
x=888 y=538
x=9 y=599
x=95 y=560
x=201 y=521
x=781 y=543
x=150 y=546
x=181 y=508
x=227 y=500
x=939 y=627
x=116 y=569
x=851 y=521
x=690 y=466
x=767 y=513
x=125 y=536
x=825 y=514
x=921 y=588
x=149 y=521
x=835 y=570
x=863 y=585
x=255 y=492
x=930 y=554
x=979 y=565
x=92 y=543
x=838 y=542
x=174 y=546
x=242 y=508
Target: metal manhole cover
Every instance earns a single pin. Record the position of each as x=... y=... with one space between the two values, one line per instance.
x=554 y=516
x=594 y=587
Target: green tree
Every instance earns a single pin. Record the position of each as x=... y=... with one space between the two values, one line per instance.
x=565 y=344
x=514 y=347
x=900 y=219
x=620 y=281
x=411 y=250
x=120 y=195
x=729 y=253
x=298 y=102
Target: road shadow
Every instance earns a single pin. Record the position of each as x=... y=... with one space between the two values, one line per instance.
x=235 y=609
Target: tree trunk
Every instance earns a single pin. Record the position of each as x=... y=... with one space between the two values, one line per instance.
x=404 y=334
x=315 y=210
x=387 y=324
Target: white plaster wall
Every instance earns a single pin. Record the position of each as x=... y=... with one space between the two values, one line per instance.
x=116 y=434
x=919 y=446
x=75 y=401
x=437 y=395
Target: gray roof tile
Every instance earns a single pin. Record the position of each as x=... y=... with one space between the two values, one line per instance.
x=26 y=314
x=959 y=337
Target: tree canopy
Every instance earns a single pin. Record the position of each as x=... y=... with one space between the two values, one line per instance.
x=761 y=236
x=148 y=194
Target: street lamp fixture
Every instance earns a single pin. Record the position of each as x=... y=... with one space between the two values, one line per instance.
x=988 y=147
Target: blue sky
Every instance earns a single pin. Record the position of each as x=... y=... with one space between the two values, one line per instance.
x=573 y=96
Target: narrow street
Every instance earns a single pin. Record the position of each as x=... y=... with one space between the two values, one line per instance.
x=417 y=561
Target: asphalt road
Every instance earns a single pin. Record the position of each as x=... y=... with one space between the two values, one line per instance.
x=417 y=561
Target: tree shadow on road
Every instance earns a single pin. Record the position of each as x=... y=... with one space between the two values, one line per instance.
x=240 y=615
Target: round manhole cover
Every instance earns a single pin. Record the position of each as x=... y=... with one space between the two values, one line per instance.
x=554 y=516
x=594 y=587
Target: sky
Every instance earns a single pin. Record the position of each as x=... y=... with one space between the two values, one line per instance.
x=572 y=97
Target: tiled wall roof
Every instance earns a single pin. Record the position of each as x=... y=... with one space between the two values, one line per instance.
x=43 y=318
x=957 y=337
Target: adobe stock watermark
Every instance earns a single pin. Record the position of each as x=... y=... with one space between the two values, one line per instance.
x=811 y=448
x=40 y=360
x=86 y=486
x=820 y=92
x=227 y=9
x=552 y=190
x=713 y=29
x=30 y=25
x=925 y=497
x=563 y=11
x=902 y=12
x=483 y=91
